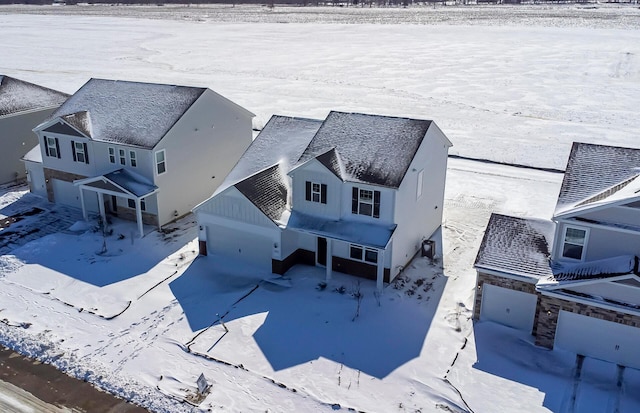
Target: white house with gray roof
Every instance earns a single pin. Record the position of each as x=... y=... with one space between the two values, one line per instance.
x=353 y=193
x=573 y=282
x=23 y=106
x=141 y=151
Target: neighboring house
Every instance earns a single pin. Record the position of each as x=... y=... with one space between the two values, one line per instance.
x=140 y=151
x=354 y=193
x=572 y=282
x=23 y=105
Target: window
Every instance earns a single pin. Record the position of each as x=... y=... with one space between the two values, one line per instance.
x=112 y=154
x=132 y=159
x=316 y=192
x=122 y=157
x=365 y=202
x=161 y=162
x=51 y=147
x=574 y=243
x=80 y=153
x=359 y=253
x=132 y=204
x=420 y=183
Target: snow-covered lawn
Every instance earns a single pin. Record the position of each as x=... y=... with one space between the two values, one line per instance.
x=141 y=317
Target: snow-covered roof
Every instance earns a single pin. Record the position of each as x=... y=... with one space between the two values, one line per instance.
x=598 y=175
x=519 y=246
x=267 y=190
x=34 y=155
x=282 y=140
x=19 y=96
x=361 y=233
x=373 y=149
x=131 y=113
x=605 y=268
x=132 y=182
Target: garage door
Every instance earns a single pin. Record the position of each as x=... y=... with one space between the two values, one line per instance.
x=66 y=193
x=509 y=307
x=599 y=339
x=248 y=247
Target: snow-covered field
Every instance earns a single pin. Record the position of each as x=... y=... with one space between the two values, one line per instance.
x=141 y=318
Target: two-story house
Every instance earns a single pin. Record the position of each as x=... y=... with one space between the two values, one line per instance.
x=23 y=106
x=354 y=193
x=140 y=151
x=573 y=281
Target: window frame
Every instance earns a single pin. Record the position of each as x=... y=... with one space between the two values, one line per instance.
x=133 y=158
x=316 y=192
x=163 y=162
x=143 y=204
x=564 y=243
x=51 y=143
x=420 y=184
x=361 y=254
x=122 y=156
x=80 y=152
x=358 y=200
x=112 y=154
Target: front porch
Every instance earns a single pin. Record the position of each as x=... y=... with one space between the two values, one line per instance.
x=120 y=184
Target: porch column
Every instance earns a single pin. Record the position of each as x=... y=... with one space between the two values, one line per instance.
x=329 y=258
x=380 y=271
x=84 y=209
x=103 y=214
x=139 y=217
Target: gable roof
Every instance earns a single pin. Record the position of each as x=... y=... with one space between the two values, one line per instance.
x=267 y=191
x=282 y=140
x=331 y=160
x=19 y=96
x=130 y=113
x=517 y=246
x=374 y=149
x=598 y=174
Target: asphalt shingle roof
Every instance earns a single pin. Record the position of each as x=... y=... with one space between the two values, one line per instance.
x=374 y=149
x=19 y=96
x=517 y=246
x=132 y=113
x=595 y=172
x=267 y=191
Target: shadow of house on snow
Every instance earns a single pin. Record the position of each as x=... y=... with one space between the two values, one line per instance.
x=85 y=258
x=304 y=324
x=511 y=354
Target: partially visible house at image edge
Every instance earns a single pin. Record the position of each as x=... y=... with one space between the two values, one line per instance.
x=354 y=193
x=140 y=151
x=23 y=106
x=573 y=282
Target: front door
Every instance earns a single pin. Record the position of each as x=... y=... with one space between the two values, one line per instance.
x=114 y=204
x=321 y=255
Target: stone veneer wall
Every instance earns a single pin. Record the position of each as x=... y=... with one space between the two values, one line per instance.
x=503 y=282
x=549 y=309
x=50 y=174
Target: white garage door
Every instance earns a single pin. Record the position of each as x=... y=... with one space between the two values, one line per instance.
x=599 y=339
x=235 y=243
x=66 y=193
x=509 y=307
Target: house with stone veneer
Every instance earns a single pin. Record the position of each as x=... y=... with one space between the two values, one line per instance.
x=353 y=193
x=23 y=105
x=573 y=282
x=140 y=151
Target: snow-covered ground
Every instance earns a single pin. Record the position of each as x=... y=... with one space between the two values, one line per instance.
x=141 y=318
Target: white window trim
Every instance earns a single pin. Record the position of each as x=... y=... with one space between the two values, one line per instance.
x=420 y=184
x=366 y=202
x=122 y=157
x=364 y=254
x=564 y=237
x=133 y=158
x=318 y=192
x=49 y=140
x=155 y=161
x=78 y=149
x=112 y=154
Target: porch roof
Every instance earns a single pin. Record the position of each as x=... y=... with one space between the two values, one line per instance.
x=361 y=233
x=120 y=181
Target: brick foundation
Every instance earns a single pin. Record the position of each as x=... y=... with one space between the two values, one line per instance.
x=549 y=308
x=50 y=174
